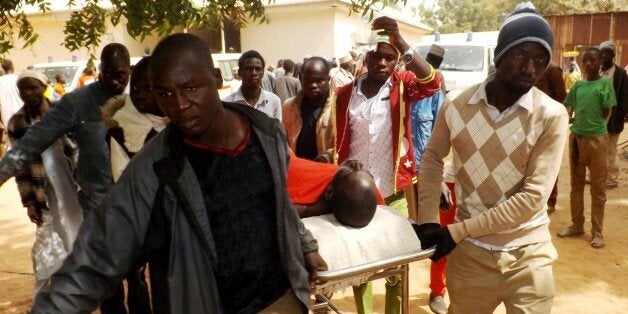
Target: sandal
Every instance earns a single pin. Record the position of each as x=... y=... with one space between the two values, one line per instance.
x=570 y=232
x=597 y=241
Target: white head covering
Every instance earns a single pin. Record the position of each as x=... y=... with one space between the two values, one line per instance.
x=608 y=44
x=33 y=74
x=346 y=58
x=381 y=39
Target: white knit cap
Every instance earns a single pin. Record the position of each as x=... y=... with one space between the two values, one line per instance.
x=380 y=39
x=346 y=58
x=33 y=74
x=608 y=44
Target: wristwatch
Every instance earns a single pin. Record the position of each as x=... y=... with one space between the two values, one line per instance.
x=408 y=55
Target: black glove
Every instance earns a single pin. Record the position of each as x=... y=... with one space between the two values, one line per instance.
x=41 y=206
x=444 y=243
x=425 y=234
x=444 y=202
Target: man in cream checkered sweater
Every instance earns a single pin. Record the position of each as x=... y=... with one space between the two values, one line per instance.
x=507 y=139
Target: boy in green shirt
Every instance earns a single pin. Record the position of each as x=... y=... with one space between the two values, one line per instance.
x=589 y=102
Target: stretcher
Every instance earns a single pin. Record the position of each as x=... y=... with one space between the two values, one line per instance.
x=383 y=249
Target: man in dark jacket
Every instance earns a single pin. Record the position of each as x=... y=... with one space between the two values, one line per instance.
x=615 y=124
x=205 y=202
x=78 y=112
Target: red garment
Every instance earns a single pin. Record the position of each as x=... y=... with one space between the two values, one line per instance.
x=307 y=180
x=400 y=101
x=437 y=269
x=221 y=150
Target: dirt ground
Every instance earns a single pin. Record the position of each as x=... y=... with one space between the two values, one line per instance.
x=587 y=280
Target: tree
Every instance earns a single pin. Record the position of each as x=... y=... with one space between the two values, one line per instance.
x=143 y=17
x=475 y=16
x=453 y=16
x=561 y=7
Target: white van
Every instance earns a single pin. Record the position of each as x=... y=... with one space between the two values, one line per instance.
x=70 y=69
x=227 y=63
x=73 y=69
x=468 y=56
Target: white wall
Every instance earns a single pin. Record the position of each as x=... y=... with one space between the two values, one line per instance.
x=295 y=31
x=353 y=31
x=51 y=37
x=350 y=30
x=411 y=34
x=319 y=27
x=295 y=28
x=291 y=34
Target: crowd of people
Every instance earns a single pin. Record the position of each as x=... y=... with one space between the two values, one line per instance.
x=209 y=192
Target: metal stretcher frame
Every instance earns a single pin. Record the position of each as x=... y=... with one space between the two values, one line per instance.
x=384 y=268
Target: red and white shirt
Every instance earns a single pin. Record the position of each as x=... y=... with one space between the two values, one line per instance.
x=370 y=124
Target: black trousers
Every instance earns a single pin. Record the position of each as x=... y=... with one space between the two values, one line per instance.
x=137 y=296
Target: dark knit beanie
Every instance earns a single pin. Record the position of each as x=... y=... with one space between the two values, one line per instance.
x=523 y=25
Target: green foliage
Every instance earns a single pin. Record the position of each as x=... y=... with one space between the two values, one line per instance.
x=454 y=16
x=561 y=7
x=471 y=15
x=13 y=22
x=85 y=27
x=143 y=18
x=369 y=7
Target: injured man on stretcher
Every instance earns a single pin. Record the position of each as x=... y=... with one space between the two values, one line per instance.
x=345 y=212
x=347 y=191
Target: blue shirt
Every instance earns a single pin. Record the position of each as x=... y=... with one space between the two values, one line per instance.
x=422 y=116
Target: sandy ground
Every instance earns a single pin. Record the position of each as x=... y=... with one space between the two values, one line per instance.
x=587 y=280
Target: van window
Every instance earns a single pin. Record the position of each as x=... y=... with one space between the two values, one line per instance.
x=233 y=64
x=69 y=71
x=226 y=70
x=459 y=57
x=226 y=62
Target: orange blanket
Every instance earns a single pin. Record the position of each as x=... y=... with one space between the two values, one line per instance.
x=307 y=180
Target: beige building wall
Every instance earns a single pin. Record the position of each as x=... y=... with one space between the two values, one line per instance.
x=316 y=27
x=351 y=31
x=411 y=34
x=50 y=29
x=291 y=34
x=296 y=28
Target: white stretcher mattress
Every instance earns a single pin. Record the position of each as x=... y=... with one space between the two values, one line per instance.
x=388 y=235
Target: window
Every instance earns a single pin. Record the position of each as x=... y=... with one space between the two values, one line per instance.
x=459 y=57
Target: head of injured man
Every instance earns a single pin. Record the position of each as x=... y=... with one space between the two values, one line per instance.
x=352 y=195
